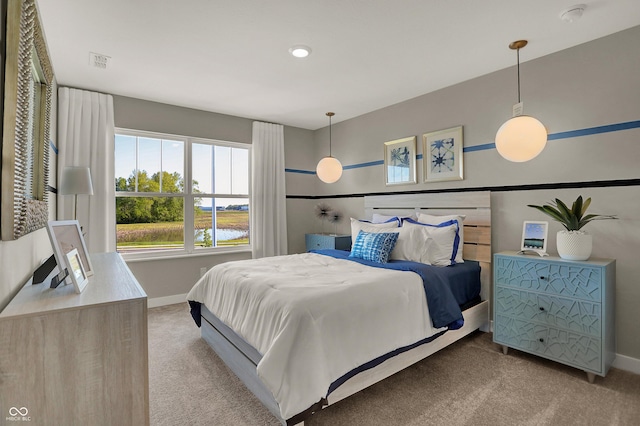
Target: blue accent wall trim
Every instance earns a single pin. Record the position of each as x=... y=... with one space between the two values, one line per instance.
x=304 y=172
x=479 y=147
x=53 y=147
x=370 y=163
x=596 y=130
x=555 y=136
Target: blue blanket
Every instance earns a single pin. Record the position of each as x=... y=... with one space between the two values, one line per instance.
x=443 y=306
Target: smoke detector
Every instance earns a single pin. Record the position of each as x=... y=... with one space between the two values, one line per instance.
x=573 y=13
x=98 y=60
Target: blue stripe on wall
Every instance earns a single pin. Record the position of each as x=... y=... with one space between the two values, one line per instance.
x=304 y=172
x=596 y=130
x=555 y=136
x=370 y=163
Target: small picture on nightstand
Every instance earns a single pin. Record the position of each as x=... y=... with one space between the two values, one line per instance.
x=76 y=271
x=534 y=237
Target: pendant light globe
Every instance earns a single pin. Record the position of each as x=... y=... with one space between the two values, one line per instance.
x=329 y=169
x=521 y=138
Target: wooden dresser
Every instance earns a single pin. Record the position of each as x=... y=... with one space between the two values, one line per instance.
x=558 y=309
x=82 y=359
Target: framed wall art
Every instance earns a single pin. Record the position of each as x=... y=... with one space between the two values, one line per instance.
x=442 y=155
x=400 y=161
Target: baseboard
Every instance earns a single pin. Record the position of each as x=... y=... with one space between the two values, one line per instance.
x=166 y=300
x=627 y=363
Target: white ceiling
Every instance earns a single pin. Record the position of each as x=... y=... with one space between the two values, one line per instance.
x=231 y=56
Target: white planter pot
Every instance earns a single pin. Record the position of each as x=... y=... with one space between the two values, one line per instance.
x=574 y=245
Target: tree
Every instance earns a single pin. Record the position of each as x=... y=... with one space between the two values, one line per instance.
x=150 y=209
x=206 y=239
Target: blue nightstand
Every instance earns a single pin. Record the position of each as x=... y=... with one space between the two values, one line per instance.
x=327 y=241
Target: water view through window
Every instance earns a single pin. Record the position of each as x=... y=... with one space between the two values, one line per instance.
x=152 y=200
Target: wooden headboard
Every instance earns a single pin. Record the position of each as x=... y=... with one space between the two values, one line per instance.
x=476 y=206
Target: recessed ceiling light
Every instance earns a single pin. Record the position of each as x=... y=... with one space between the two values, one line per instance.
x=573 y=13
x=300 y=51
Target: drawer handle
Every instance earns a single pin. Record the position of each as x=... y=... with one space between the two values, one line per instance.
x=541 y=340
x=541 y=308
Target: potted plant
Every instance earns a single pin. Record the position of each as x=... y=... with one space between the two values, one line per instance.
x=572 y=243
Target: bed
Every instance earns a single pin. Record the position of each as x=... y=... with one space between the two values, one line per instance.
x=292 y=389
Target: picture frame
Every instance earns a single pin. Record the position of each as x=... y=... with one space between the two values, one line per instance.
x=400 y=161
x=76 y=270
x=442 y=155
x=534 y=237
x=66 y=235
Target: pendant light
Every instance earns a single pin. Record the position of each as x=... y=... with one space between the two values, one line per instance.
x=329 y=169
x=522 y=137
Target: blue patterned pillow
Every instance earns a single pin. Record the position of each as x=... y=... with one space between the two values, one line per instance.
x=375 y=247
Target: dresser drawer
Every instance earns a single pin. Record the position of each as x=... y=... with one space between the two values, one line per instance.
x=555 y=278
x=571 y=314
x=560 y=345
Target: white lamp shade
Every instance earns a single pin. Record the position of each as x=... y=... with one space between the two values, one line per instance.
x=329 y=170
x=76 y=180
x=521 y=138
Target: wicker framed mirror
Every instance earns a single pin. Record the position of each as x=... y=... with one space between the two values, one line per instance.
x=28 y=87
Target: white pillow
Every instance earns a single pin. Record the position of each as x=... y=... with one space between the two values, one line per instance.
x=437 y=220
x=357 y=226
x=413 y=244
x=440 y=242
x=381 y=218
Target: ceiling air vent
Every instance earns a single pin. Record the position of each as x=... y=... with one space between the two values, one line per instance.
x=98 y=60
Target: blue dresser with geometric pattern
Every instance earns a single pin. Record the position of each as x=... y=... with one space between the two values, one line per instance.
x=558 y=309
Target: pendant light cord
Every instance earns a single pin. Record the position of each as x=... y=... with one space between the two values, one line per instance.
x=329 y=136
x=518 y=56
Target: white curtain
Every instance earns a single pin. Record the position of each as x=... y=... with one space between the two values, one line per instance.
x=268 y=193
x=86 y=139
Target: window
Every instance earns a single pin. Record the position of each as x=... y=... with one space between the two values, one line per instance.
x=179 y=194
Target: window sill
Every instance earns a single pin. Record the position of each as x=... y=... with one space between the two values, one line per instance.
x=177 y=254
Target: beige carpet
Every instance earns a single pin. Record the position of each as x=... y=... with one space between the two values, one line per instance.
x=467 y=383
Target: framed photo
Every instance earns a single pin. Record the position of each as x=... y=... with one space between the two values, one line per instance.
x=76 y=270
x=534 y=237
x=400 y=161
x=442 y=155
x=65 y=235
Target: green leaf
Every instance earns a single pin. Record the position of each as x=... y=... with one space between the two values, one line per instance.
x=585 y=205
x=577 y=207
x=563 y=208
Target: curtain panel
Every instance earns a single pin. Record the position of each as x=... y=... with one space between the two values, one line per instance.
x=268 y=192
x=86 y=139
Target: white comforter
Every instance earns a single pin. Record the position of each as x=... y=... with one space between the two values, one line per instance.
x=314 y=318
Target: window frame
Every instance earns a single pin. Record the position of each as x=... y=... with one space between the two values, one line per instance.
x=188 y=196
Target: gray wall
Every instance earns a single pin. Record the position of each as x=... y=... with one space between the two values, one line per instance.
x=20 y=258
x=594 y=84
x=168 y=277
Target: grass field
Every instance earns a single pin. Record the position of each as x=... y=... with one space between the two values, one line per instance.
x=166 y=235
